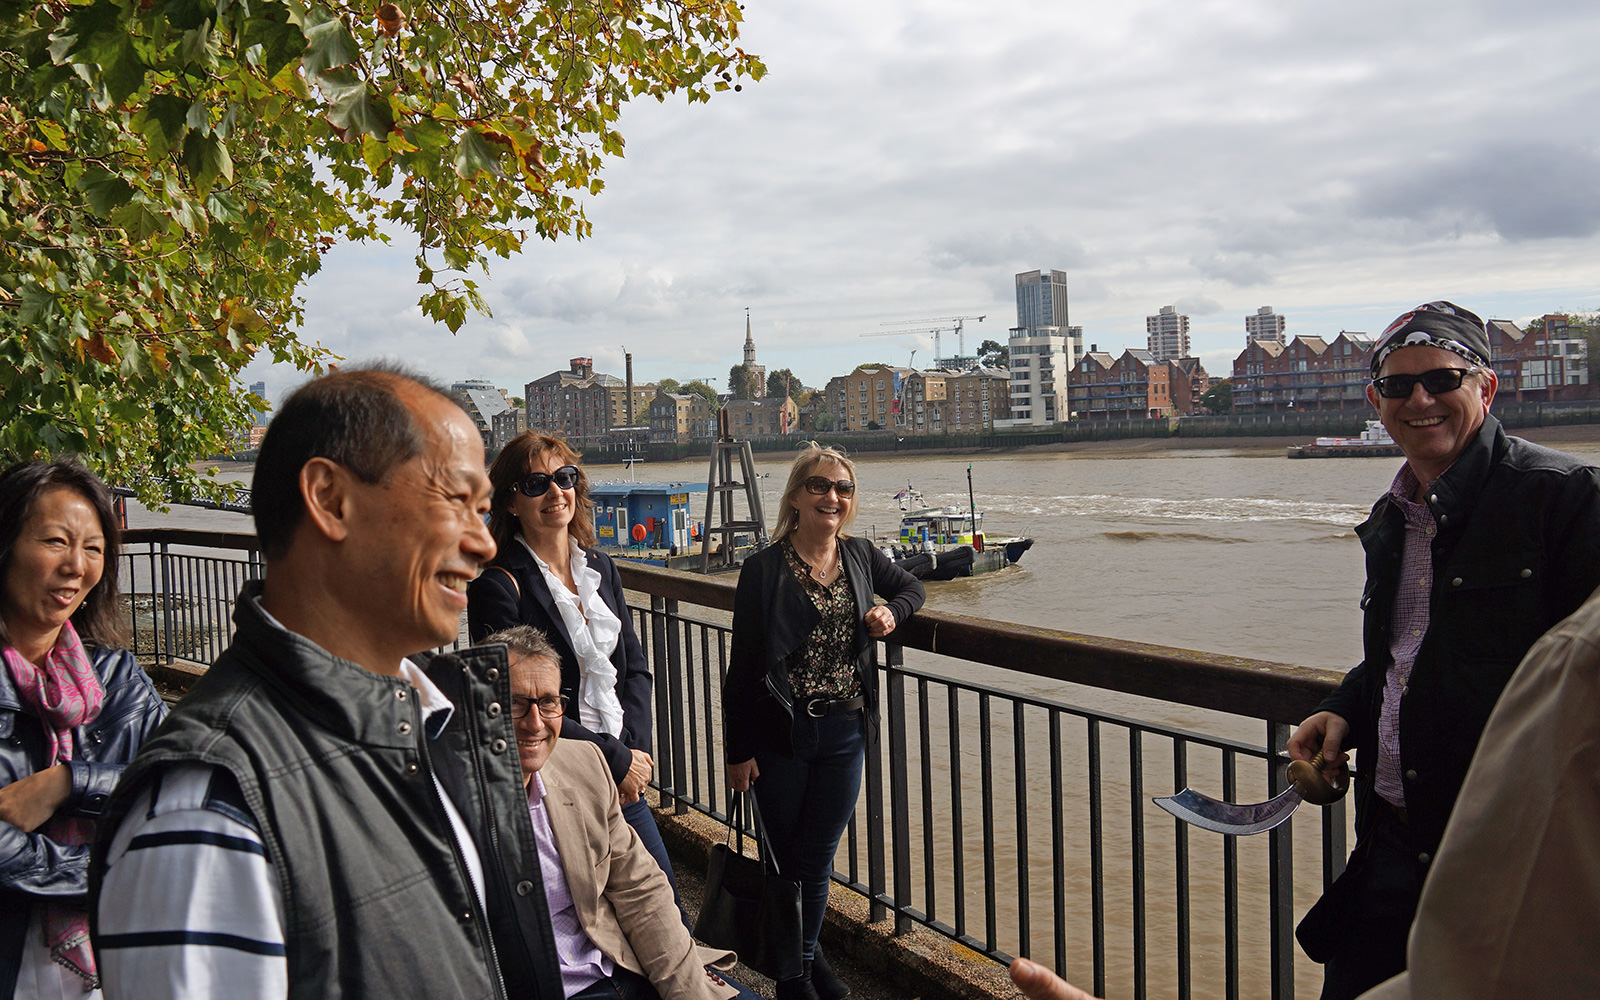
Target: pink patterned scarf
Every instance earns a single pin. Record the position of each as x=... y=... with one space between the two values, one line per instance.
x=64 y=693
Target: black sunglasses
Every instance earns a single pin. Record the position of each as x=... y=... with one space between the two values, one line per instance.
x=537 y=484
x=819 y=486
x=1437 y=382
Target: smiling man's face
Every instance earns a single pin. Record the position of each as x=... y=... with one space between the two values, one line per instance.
x=1431 y=430
x=418 y=537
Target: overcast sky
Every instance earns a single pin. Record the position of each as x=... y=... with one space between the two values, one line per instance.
x=904 y=160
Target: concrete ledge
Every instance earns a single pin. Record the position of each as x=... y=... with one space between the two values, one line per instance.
x=919 y=963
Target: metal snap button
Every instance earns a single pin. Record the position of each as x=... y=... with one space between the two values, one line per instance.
x=400 y=694
x=404 y=727
x=494 y=710
x=492 y=675
x=523 y=888
x=498 y=746
x=1526 y=573
x=411 y=767
x=1456 y=582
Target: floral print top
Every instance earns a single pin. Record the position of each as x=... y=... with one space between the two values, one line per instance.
x=825 y=667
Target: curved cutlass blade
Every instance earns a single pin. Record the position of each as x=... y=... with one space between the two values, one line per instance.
x=1227 y=817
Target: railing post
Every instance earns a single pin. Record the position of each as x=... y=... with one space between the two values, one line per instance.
x=1280 y=872
x=899 y=786
x=665 y=754
x=164 y=644
x=675 y=674
x=877 y=880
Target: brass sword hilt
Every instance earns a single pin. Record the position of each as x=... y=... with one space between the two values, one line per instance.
x=1306 y=776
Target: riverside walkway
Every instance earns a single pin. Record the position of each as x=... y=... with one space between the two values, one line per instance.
x=1006 y=804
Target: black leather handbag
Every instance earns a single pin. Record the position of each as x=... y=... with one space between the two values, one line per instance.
x=749 y=907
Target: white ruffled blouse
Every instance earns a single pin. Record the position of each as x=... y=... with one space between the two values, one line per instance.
x=594 y=630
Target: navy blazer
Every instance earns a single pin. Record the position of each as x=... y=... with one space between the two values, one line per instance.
x=494 y=603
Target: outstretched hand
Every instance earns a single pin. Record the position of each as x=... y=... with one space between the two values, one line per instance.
x=1038 y=983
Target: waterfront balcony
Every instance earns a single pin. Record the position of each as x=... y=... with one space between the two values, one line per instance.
x=1006 y=808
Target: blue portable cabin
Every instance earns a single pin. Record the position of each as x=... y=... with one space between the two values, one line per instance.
x=660 y=509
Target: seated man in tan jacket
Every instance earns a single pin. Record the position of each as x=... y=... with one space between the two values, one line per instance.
x=617 y=926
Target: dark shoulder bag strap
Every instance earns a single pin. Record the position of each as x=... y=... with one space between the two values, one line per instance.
x=515 y=586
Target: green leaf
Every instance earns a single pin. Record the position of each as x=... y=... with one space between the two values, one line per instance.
x=375 y=152
x=104 y=190
x=281 y=43
x=162 y=123
x=351 y=107
x=196 y=44
x=474 y=155
x=329 y=43
x=206 y=158
x=139 y=221
x=123 y=72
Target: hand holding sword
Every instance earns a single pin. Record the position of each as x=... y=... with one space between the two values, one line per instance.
x=1309 y=780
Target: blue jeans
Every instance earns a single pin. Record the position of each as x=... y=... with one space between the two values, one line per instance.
x=806 y=803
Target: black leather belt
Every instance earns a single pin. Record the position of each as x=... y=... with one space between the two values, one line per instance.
x=818 y=707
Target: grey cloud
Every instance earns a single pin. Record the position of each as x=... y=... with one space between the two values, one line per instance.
x=1019 y=251
x=1241 y=270
x=1520 y=192
x=1198 y=305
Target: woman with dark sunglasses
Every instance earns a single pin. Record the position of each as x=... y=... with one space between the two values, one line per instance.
x=548 y=574
x=801 y=689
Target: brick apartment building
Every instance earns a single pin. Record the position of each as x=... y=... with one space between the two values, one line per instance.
x=867 y=399
x=766 y=417
x=1134 y=386
x=955 y=402
x=579 y=403
x=681 y=416
x=1540 y=364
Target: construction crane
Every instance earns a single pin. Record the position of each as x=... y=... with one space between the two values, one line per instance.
x=943 y=324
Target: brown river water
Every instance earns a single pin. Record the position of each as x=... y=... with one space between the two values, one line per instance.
x=1232 y=549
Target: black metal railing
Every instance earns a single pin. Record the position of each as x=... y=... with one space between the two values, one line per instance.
x=1006 y=799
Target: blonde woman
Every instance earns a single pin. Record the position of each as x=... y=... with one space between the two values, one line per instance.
x=801 y=689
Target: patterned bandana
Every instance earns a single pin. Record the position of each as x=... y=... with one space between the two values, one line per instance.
x=1444 y=325
x=65 y=692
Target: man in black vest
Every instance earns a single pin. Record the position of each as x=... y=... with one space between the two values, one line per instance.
x=303 y=825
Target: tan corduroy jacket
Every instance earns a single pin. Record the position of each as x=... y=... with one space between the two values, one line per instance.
x=621 y=893
x=1511 y=908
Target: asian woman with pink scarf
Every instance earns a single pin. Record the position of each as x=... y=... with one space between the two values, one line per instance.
x=74 y=708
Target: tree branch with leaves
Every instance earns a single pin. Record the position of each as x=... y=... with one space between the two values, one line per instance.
x=172 y=171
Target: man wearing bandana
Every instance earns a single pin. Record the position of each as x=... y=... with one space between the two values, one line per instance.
x=1482 y=543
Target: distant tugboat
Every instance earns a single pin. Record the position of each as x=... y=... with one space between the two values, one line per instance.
x=943 y=543
x=1374 y=442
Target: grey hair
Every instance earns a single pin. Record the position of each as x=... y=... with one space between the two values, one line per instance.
x=525 y=642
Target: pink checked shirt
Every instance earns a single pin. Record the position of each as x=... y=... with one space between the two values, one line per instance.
x=582 y=963
x=1407 y=627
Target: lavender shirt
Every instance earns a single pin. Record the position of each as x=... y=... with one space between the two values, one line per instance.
x=582 y=963
x=1408 y=625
